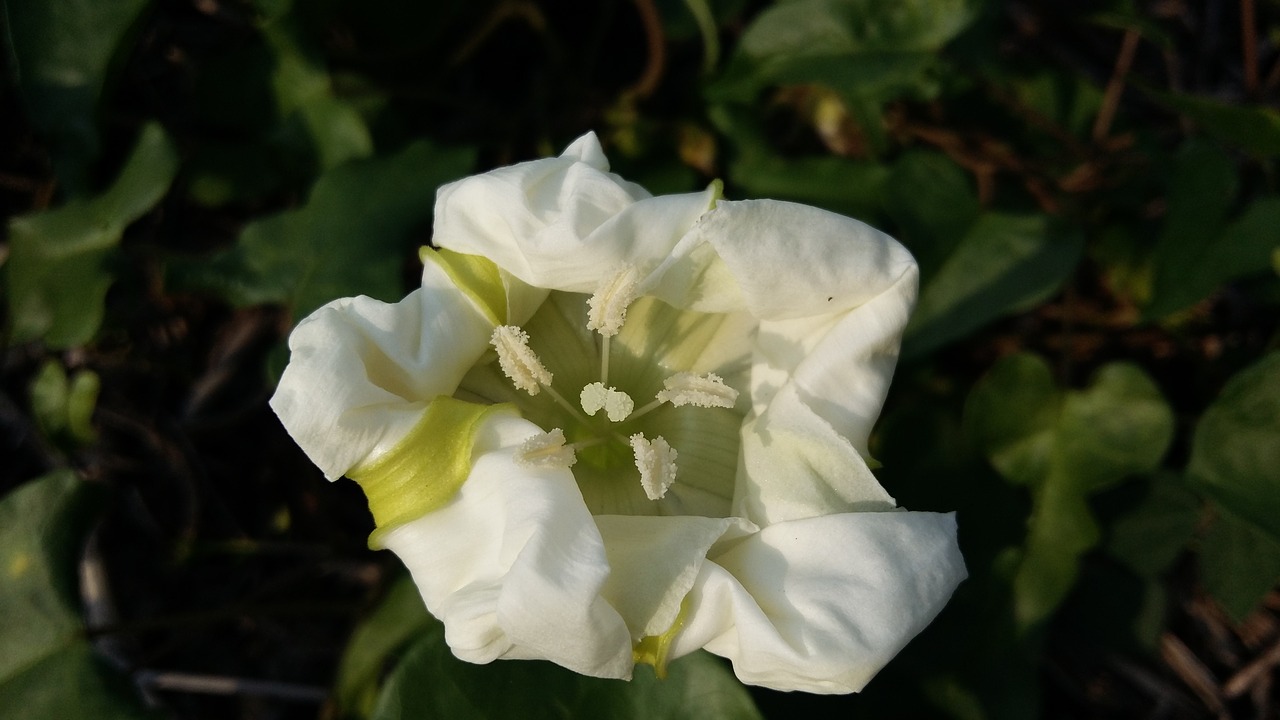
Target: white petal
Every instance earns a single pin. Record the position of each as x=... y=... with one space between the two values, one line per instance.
x=562 y=223
x=362 y=371
x=820 y=605
x=654 y=561
x=795 y=465
x=831 y=296
x=514 y=566
x=794 y=261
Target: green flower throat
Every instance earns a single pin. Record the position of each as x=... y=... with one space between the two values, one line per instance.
x=640 y=399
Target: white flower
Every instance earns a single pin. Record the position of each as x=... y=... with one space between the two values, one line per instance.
x=758 y=340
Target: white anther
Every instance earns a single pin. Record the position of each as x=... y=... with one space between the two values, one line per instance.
x=607 y=308
x=617 y=404
x=517 y=360
x=545 y=450
x=657 y=464
x=687 y=388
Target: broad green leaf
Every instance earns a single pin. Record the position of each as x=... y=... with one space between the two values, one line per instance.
x=48 y=669
x=934 y=203
x=430 y=682
x=835 y=183
x=62 y=51
x=1195 y=253
x=1239 y=564
x=1012 y=414
x=399 y=618
x=1235 y=456
x=1254 y=129
x=1149 y=537
x=860 y=48
x=1065 y=445
x=1060 y=530
x=838 y=184
x=351 y=238
x=1120 y=425
x=57 y=274
x=1002 y=264
x=303 y=86
x=1201 y=190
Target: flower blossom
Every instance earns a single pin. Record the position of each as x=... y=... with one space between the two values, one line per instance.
x=614 y=428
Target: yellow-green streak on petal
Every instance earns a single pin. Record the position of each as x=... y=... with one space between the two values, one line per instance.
x=424 y=470
x=654 y=649
x=477 y=277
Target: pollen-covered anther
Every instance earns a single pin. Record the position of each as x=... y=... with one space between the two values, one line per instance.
x=656 y=461
x=607 y=308
x=616 y=404
x=545 y=451
x=688 y=388
x=518 y=361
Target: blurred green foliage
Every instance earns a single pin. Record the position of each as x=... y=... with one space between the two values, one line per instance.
x=1091 y=378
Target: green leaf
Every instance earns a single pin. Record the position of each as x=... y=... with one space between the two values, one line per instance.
x=1120 y=425
x=1239 y=564
x=1064 y=446
x=1235 y=455
x=1254 y=129
x=1060 y=530
x=48 y=669
x=1195 y=253
x=303 y=87
x=351 y=238
x=62 y=53
x=57 y=274
x=1149 y=537
x=1003 y=263
x=61 y=407
x=838 y=184
x=835 y=183
x=397 y=620
x=430 y=682
x=49 y=393
x=1012 y=414
x=933 y=202
x=81 y=401
x=860 y=48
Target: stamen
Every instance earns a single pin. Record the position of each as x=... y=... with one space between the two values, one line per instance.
x=517 y=360
x=688 y=388
x=607 y=308
x=617 y=404
x=545 y=451
x=657 y=464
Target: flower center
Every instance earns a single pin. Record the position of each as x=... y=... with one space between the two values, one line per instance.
x=638 y=398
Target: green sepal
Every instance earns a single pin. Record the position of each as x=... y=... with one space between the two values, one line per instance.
x=655 y=649
x=476 y=276
x=426 y=468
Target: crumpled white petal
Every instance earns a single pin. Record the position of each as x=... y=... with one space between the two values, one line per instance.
x=362 y=371
x=654 y=562
x=822 y=604
x=562 y=223
x=514 y=566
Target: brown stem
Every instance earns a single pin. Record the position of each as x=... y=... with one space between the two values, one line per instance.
x=1111 y=100
x=1249 y=46
x=647 y=83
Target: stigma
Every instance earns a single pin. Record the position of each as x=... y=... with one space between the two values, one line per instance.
x=616 y=404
